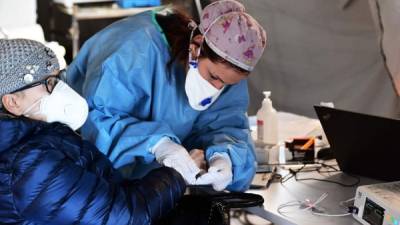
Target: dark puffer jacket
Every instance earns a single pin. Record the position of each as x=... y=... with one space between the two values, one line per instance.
x=48 y=175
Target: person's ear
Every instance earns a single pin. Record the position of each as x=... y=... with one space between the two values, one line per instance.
x=195 y=45
x=198 y=39
x=11 y=104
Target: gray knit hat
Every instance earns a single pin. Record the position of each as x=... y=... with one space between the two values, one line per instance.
x=23 y=62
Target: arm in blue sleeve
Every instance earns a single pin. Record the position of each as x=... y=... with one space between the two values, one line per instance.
x=66 y=193
x=224 y=128
x=120 y=107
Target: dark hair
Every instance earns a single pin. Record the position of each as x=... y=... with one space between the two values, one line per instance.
x=176 y=29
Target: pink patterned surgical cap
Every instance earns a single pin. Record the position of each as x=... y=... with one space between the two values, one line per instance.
x=233 y=34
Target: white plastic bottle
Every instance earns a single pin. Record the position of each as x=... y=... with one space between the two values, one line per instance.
x=267 y=122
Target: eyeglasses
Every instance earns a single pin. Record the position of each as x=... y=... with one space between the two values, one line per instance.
x=50 y=82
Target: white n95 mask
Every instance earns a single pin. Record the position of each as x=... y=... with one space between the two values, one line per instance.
x=63 y=105
x=201 y=94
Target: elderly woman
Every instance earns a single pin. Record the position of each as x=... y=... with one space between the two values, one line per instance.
x=48 y=174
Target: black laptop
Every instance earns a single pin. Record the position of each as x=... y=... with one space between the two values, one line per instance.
x=363 y=144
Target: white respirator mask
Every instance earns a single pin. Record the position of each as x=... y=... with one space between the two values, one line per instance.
x=63 y=105
x=201 y=94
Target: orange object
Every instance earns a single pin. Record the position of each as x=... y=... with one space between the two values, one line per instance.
x=307 y=144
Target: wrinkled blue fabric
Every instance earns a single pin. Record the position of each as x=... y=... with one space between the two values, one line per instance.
x=48 y=175
x=135 y=100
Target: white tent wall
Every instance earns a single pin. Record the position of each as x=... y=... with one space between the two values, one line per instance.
x=321 y=50
x=17 y=13
x=18 y=20
x=386 y=14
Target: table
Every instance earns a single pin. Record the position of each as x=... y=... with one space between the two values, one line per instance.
x=278 y=194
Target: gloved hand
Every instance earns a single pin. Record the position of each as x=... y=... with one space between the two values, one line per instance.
x=219 y=174
x=173 y=155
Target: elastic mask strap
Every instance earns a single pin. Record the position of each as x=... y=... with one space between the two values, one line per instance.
x=26 y=111
x=193 y=26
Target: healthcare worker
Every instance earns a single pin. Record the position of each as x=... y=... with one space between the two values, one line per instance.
x=159 y=85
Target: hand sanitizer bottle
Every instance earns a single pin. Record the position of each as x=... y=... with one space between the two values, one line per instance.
x=267 y=122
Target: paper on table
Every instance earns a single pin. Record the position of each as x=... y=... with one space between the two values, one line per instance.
x=291 y=125
x=261 y=179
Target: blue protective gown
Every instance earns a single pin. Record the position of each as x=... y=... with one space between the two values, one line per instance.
x=135 y=100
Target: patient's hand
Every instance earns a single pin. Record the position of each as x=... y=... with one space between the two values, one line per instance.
x=198 y=158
